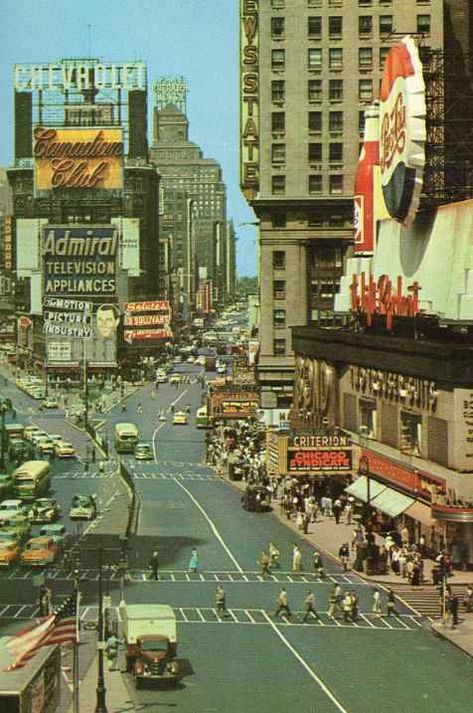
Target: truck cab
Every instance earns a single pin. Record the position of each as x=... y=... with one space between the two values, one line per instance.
x=150 y=635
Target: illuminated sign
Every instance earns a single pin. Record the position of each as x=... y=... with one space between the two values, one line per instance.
x=67 y=318
x=8 y=242
x=364 y=220
x=143 y=317
x=402 y=129
x=313 y=460
x=413 y=481
x=319 y=441
x=59 y=351
x=234 y=404
x=155 y=306
x=78 y=158
x=379 y=297
x=390 y=386
x=131 y=335
x=80 y=260
x=249 y=111
x=70 y=75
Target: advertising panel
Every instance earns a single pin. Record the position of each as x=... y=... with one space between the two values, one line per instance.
x=77 y=75
x=8 y=242
x=145 y=321
x=411 y=480
x=249 y=101
x=77 y=158
x=402 y=128
x=234 y=404
x=319 y=453
x=364 y=206
x=80 y=260
x=129 y=245
x=59 y=351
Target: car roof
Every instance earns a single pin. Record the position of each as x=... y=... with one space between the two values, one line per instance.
x=10 y=502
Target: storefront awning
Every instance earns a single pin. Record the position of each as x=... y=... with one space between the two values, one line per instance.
x=391 y=502
x=421 y=513
x=359 y=489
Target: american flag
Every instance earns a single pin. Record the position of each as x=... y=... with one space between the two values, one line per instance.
x=57 y=628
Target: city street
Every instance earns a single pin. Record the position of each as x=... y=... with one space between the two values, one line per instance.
x=266 y=663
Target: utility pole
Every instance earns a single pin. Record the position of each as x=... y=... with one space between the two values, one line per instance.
x=5 y=407
x=75 y=660
x=101 y=706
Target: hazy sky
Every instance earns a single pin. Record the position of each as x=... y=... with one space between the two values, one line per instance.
x=194 y=38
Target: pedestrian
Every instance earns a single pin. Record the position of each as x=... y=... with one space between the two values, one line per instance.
x=318 y=564
x=348 y=511
x=220 y=601
x=453 y=608
x=93 y=454
x=333 y=606
x=376 y=608
x=355 y=602
x=296 y=558
x=337 y=510
x=194 y=562
x=309 y=606
x=111 y=648
x=45 y=600
x=338 y=595
x=282 y=603
x=264 y=562
x=347 y=607
x=344 y=554
x=391 y=603
x=274 y=554
x=154 y=564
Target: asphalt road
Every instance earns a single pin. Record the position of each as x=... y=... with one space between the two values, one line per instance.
x=251 y=661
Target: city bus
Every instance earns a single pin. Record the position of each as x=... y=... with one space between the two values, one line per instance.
x=32 y=479
x=202 y=418
x=126 y=437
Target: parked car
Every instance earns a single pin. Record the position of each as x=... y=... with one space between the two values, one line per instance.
x=175 y=379
x=255 y=498
x=9 y=552
x=179 y=418
x=44 y=510
x=12 y=508
x=6 y=483
x=50 y=402
x=57 y=533
x=83 y=507
x=30 y=431
x=39 y=552
x=63 y=449
x=45 y=446
x=144 y=451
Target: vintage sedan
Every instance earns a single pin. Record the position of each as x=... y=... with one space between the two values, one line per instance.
x=12 y=508
x=50 y=402
x=18 y=526
x=179 y=418
x=63 y=449
x=39 y=552
x=45 y=445
x=83 y=507
x=44 y=510
x=57 y=533
x=144 y=451
x=9 y=552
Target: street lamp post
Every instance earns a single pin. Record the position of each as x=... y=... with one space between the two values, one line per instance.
x=5 y=407
x=101 y=706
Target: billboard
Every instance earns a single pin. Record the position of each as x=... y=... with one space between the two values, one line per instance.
x=249 y=98
x=402 y=131
x=147 y=320
x=8 y=242
x=77 y=158
x=234 y=404
x=319 y=453
x=80 y=260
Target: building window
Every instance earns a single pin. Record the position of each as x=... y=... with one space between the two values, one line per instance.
x=365 y=57
x=277 y=27
x=335 y=57
x=361 y=121
x=279 y=317
x=277 y=4
x=368 y=418
x=278 y=153
x=335 y=27
x=315 y=183
x=383 y=53
x=278 y=59
x=279 y=289
x=411 y=433
x=336 y=184
x=423 y=24
x=278 y=121
x=314 y=90
x=365 y=25
x=314 y=28
x=278 y=185
x=279 y=347
x=365 y=90
x=278 y=90
x=279 y=260
x=364 y=3
x=278 y=220
x=314 y=58
x=336 y=152
x=385 y=24
x=336 y=220
x=335 y=90
x=315 y=152
x=315 y=220
x=335 y=121
x=315 y=121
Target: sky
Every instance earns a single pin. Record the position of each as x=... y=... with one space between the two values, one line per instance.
x=194 y=38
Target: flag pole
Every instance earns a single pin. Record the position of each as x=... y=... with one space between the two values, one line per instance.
x=75 y=659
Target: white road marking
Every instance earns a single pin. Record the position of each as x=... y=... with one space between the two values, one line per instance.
x=309 y=670
x=153 y=440
x=214 y=529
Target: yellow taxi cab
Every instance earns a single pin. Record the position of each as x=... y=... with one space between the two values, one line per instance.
x=9 y=552
x=39 y=552
x=63 y=449
x=179 y=418
x=175 y=378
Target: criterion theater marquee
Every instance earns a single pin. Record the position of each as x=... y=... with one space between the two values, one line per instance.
x=313 y=454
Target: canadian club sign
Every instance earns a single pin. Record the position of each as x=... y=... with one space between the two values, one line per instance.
x=371 y=296
x=402 y=131
x=78 y=158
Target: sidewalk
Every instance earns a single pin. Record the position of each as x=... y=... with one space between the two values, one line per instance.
x=326 y=536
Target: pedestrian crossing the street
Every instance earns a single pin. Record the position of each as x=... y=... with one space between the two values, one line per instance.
x=85 y=475
x=178 y=476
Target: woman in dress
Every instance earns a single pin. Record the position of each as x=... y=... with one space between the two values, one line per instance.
x=194 y=561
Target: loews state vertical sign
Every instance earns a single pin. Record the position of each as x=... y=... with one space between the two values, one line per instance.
x=78 y=158
x=249 y=104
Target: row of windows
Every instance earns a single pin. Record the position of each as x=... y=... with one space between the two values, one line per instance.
x=279 y=4
x=315 y=152
x=316 y=220
x=314 y=90
x=335 y=26
x=315 y=118
x=335 y=187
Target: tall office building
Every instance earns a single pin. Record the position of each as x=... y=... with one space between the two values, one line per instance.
x=309 y=68
x=184 y=169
